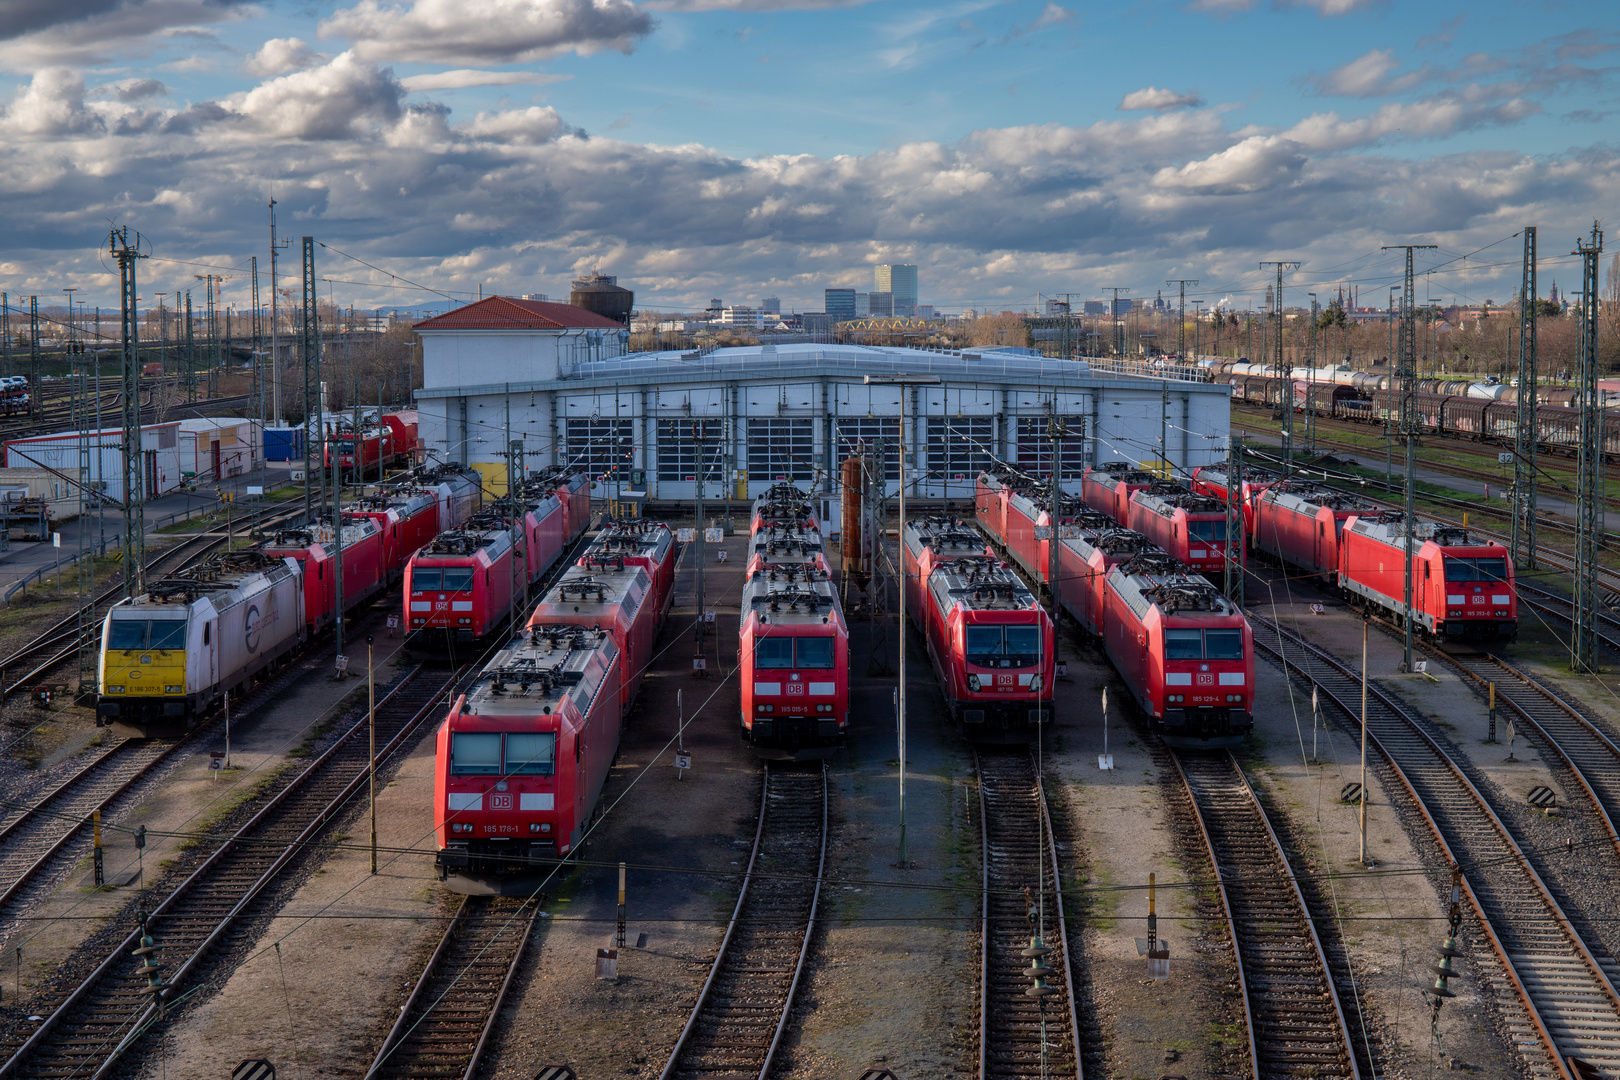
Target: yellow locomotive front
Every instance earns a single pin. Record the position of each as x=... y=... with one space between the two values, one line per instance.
x=144 y=679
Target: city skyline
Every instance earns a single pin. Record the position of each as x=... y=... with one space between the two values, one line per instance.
x=510 y=145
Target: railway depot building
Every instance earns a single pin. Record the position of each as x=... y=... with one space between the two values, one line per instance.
x=558 y=381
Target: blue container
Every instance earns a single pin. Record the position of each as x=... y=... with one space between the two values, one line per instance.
x=283 y=443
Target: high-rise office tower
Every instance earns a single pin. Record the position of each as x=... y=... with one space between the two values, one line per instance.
x=899 y=280
x=840 y=304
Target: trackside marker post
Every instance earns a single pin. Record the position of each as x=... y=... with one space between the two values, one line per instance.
x=1105 y=760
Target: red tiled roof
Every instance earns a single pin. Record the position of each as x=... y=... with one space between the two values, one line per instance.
x=510 y=313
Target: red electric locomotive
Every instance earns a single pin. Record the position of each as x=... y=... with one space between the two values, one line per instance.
x=990 y=495
x=1190 y=528
x=1108 y=487
x=1183 y=649
x=541 y=525
x=407 y=519
x=990 y=641
x=522 y=757
x=647 y=544
x=402 y=426
x=617 y=597
x=793 y=658
x=780 y=542
x=458 y=589
x=1303 y=525
x=573 y=490
x=1084 y=561
x=1212 y=480
x=364 y=450
x=315 y=547
x=1028 y=511
x=1461 y=587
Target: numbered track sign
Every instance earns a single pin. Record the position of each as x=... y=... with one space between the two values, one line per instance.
x=683 y=761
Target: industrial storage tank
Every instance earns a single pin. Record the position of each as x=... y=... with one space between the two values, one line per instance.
x=603 y=295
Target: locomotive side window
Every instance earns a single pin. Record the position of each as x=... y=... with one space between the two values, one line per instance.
x=1223 y=644
x=531 y=753
x=1458 y=569
x=1212 y=531
x=458 y=579
x=773 y=652
x=426 y=581
x=1183 y=645
x=815 y=652
x=475 y=752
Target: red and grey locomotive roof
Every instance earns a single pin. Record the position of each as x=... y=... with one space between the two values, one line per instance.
x=1389 y=527
x=949 y=537
x=627 y=539
x=1154 y=579
x=1111 y=540
x=1308 y=500
x=355 y=530
x=1165 y=503
x=1216 y=476
x=493 y=540
x=1033 y=500
x=798 y=599
x=406 y=501
x=220 y=579
x=540 y=668
x=979 y=583
x=781 y=541
x=583 y=593
x=1112 y=473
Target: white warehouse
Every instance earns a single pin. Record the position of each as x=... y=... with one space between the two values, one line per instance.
x=556 y=379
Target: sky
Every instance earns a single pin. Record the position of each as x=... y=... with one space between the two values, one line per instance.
x=741 y=149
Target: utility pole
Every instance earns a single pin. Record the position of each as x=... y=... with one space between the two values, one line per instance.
x=1234 y=521
x=1119 y=327
x=1181 y=317
x=1283 y=368
x=312 y=363
x=1583 y=644
x=1406 y=372
x=134 y=459
x=33 y=356
x=191 y=352
x=275 y=319
x=258 y=355
x=905 y=382
x=697 y=448
x=1524 y=451
x=1310 y=387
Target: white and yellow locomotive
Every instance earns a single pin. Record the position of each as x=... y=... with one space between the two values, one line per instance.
x=167 y=658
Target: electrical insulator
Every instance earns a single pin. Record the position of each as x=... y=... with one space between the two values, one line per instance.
x=1037 y=970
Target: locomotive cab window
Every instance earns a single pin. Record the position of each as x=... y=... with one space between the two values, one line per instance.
x=1211 y=531
x=1487 y=569
x=1223 y=644
x=814 y=652
x=458 y=579
x=773 y=652
x=423 y=580
x=474 y=753
x=1003 y=646
x=1183 y=645
x=129 y=634
x=531 y=753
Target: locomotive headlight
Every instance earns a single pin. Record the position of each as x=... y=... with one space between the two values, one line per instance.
x=174 y=689
x=534 y=826
x=973 y=682
x=1034 y=684
x=115 y=689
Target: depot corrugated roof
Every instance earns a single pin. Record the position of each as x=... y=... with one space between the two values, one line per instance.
x=510 y=313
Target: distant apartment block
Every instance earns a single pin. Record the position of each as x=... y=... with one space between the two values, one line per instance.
x=771 y=305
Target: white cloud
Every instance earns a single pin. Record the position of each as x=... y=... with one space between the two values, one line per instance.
x=1153 y=98
x=749 y=5
x=343 y=98
x=278 y=56
x=524 y=127
x=487 y=31
x=462 y=78
x=53 y=104
x=1367 y=75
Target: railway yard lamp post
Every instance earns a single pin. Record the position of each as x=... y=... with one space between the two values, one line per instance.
x=904 y=382
x=371 y=713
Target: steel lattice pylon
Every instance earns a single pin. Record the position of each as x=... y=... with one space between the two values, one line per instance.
x=1406 y=375
x=1524 y=451
x=1589 y=463
x=1284 y=370
x=134 y=458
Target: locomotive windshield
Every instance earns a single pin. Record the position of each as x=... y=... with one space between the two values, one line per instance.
x=475 y=752
x=787 y=652
x=147 y=634
x=531 y=753
x=425 y=580
x=1211 y=531
x=458 y=579
x=1475 y=569
x=988 y=645
x=1182 y=644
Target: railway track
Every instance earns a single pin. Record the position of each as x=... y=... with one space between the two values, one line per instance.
x=105 y=1017
x=1021 y=1035
x=736 y=1027
x=33 y=836
x=1571 y=1009
x=1296 y=1020
x=445 y=1024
